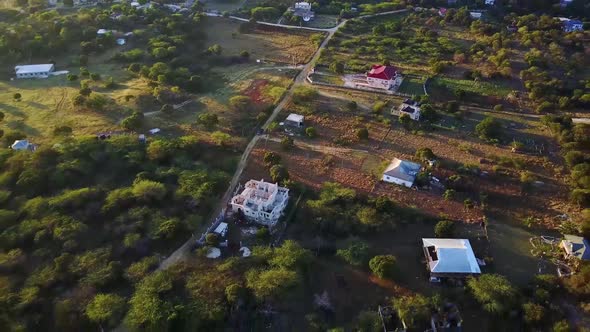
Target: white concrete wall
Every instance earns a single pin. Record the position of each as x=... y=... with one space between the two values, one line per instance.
x=397 y=181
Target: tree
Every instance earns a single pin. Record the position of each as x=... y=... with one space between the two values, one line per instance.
x=413 y=309
x=106 y=309
x=208 y=120
x=278 y=173
x=310 y=132
x=533 y=313
x=271 y=283
x=444 y=229
x=271 y=158
x=383 y=266
x=149 y=191
x=362 y=134
x=290 y=255
x=17 y=96
x=245 y=54
x=489 y=128
x=494 y=292
x=356 y=254
x=133 y=122
x=369 y=217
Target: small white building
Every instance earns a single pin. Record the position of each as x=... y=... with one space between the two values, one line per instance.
x=475 y=15
x=221 y=229
x=22 y=145
x=384 y=77
x=34 y=71
x=401 y=172
x=409 y=107
x=450 y=258
x=261 y=202
x=490 y=2
x=294 y=120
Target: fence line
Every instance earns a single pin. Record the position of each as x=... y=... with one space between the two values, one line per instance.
x=389 y=93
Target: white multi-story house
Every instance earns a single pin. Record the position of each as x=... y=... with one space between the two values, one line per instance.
x=384 y=77
x=261 y=202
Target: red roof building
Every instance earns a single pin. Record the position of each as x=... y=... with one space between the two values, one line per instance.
x=383 y=72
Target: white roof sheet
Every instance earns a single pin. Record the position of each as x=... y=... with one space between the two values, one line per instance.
x=221 y=228
x=454 y=256
x=41 y=68
x=295 y=117
x=20 y=145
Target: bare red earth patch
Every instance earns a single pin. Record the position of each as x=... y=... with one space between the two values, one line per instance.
x=254 y=91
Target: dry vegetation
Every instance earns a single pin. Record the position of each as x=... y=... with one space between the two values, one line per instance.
x=265 y=43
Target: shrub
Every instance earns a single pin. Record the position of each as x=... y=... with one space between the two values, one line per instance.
x=494 y=292
x=489 y=128
x=17 y=96
x=287 y=143
x=310 y=132
x=208 y=120
x=468 y=203
x=449 y=194
x=133 y=122
x=424 y=154
x=499 y=108
x=383 y=266
x=362 y=134
x=212 y=239
x=95 y=76
x=444 y=229
x=356 y=254
x=221 y=138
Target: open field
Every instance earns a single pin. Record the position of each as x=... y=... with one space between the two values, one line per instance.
x=264 y=43
x=322 y=22
x=223 y=5
x=337 y=155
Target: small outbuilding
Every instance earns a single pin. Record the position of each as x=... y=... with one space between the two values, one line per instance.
x=401 y=172
x=576 y=246
x=450 y=258
x=21 y=145
x=221 y=229
x=294 y=120
x=409 y=107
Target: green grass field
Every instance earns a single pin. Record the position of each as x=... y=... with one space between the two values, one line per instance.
x=469 y=86
x=412 y=85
